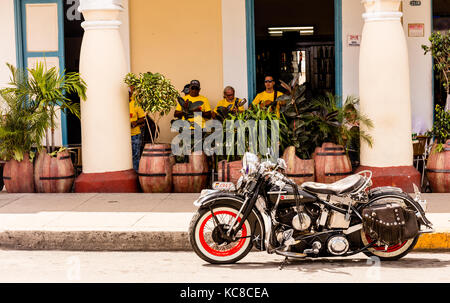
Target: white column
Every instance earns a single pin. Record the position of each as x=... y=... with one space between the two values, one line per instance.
x=234 y=45
x=105 y=124
x=384 y=85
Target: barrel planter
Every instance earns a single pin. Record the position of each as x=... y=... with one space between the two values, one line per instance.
x=191 y=177
x=229 y=171
x=54 y=174
x=331 y=163
x=438 y=169
x=298 y=170
x=18 y=176
x=155 y=168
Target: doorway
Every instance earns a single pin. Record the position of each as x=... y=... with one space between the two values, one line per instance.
x=297 y=36
x=73 y=36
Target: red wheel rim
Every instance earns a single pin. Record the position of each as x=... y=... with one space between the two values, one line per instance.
x=220 y=253
x=389 y=249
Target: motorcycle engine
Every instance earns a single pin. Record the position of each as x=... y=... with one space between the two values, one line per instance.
x=300 y=221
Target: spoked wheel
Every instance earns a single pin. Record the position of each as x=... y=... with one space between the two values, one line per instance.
x=208 y=240
x=393 y=252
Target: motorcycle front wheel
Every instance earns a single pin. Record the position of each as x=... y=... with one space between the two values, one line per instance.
x=204 y=235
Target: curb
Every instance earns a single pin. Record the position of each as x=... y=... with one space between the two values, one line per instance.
x=95 y=240
x=139 y=240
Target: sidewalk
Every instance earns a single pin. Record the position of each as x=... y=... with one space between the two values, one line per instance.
x=132 y=222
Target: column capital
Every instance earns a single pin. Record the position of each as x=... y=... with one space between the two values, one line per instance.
x=88 y=5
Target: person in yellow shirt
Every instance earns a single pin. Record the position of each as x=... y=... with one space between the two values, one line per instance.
x=266 y=99
x=194 y=96
x=229 y=99
x=137 y=120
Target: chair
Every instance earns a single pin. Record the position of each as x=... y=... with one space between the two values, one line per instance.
x=75 y=151
x=422 y=148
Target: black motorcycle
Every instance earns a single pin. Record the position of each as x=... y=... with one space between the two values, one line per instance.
x=268 y=210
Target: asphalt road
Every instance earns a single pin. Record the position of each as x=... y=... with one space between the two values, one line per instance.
x=186 y=267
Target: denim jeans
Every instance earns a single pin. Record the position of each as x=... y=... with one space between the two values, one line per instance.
x=136 y=148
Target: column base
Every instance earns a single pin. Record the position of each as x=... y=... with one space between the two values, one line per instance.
x=398 y=176
x=111 y=182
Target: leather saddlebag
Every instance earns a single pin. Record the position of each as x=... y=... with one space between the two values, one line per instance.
x=389 y=223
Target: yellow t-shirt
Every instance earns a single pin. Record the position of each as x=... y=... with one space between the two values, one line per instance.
x=266 y=97
x=225 y=103
x=136 y=112
x=204 y=108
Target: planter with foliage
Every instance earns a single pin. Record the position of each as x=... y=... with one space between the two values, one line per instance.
x=46 y=89
x=438 y=164
x=157 y=97
x=22 y=128
x=320 y=123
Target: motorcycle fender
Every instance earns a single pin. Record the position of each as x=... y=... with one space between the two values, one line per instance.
x=209 y=197
x=408 y=200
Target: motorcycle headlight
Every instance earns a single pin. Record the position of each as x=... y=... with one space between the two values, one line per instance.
x=250 y=163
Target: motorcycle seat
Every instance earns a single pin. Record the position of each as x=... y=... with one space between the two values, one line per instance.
x=340 y=187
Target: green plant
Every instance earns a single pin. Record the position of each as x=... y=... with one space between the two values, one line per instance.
x=313 y=122
x=340 y=125
x=440 y=50
x=296 y=111
x=441 y=128
x=256 y=114
x=154 y=94
x=22 y=126
x=46 y=88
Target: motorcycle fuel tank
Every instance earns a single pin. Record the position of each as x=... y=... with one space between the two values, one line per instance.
x=287 y=195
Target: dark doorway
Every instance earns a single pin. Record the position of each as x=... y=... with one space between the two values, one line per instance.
x=73 y=35
x=441 y=23
x=294 y=36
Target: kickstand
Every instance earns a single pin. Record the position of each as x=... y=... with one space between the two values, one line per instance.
x=284 y=263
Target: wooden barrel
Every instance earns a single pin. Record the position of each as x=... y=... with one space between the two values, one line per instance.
x=155 y=168
x=331 y=163
x=191 y=177
x=438 y=169
x=229 y=171
x=18 y=176
x=54 y=174
x=298 y=170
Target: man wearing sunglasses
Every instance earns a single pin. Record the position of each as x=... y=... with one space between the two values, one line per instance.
x=267 y=98
x=229 y=99
x=194 y=96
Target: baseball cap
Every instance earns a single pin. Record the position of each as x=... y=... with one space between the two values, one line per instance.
x=186 y=89
x=195 y=83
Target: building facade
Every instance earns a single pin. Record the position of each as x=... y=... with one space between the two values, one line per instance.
x=219 y=42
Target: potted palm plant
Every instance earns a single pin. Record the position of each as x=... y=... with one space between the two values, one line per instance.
x=155 y=94
x=319 y=128
x=22 y=127
x=47 y=89
x=339 y=132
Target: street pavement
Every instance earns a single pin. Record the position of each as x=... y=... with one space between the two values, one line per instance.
x=186 y=267
x=132 y=222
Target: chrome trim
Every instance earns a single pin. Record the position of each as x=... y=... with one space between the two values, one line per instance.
x=353 y=228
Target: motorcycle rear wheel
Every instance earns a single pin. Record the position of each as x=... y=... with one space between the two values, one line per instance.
x=391 y=253
x=202 y=231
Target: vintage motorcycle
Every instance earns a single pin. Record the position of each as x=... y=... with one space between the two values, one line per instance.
x=268 y=210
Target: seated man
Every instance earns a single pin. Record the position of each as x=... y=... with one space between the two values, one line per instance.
x=194 y=96
x=229 y=99
x=266 y=99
